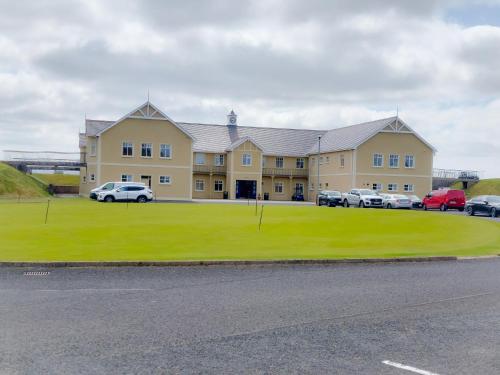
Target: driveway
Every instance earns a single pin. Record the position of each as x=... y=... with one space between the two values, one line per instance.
x=439 y=317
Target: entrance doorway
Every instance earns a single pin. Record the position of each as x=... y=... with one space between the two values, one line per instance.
x=146 y=180
x=246 y=189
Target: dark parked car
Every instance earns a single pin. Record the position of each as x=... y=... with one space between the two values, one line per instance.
x=329 y=198
x=484 y=204
x=298 y=197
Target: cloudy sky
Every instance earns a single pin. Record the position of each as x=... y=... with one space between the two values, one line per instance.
x=282 y=63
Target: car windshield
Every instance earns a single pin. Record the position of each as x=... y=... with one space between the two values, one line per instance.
x=367 y=192
x=108 y=186
x=493 y=198
x=334 y=193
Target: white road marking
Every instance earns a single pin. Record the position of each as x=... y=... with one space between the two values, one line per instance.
x=408 y=368
x=93 y=290
x=37 y=273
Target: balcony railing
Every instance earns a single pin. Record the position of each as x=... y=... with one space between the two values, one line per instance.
x=285 y=172
x=209 y=169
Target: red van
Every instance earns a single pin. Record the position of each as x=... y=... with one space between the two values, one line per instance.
x=445 y=199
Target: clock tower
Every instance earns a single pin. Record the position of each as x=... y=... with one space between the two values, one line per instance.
x=231 y=118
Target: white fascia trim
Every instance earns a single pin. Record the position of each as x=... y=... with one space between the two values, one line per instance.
x=243 y=140
x=129 y=115
x=395 y=175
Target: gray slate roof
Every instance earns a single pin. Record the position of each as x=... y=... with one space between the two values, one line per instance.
x=274 y=141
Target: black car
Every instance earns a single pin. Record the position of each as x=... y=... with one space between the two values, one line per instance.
x=484 y=204
x=329 y=198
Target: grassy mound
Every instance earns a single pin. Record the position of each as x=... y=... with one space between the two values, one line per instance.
x=58 y=179
x=15 y=184
x=84 y=230
x=483 y=187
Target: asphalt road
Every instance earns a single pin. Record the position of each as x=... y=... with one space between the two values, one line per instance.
x=440 y=317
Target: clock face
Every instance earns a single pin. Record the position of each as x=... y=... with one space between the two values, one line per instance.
x=232 y=120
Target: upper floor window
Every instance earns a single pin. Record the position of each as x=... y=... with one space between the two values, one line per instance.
x=93 y=147
x=300 y=163
x=279 y=162
x=321 y=159
x=393 y=161
x=127 y=149
x=199 y=158
x=246 y=159
x=165 y=151
x=342 y=161
x=378 y=160
x=327 y=159
x=219 y=160
x=147 y=150
x=409 y=161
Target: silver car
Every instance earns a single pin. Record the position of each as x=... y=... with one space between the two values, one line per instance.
x=396 y=201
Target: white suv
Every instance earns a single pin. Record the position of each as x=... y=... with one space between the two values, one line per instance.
x=132 y=192
x=108 y=186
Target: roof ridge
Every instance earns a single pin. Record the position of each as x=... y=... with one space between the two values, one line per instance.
x=364 y=123
x=249 y=126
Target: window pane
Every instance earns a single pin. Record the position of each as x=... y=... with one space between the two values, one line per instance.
x=165 y=151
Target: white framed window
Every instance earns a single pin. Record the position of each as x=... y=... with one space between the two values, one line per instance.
x=327 y=160
x=342 y=161
x=93 y=147
x=300 y=163
x=92 y=177
x=165 y=180
x=278 y=187
x=199 y=185
x=409 y=161
x=246 y=159
x=321 y=160
x=147 y=150
x=393 y=161
x=199 y=158
x=392 y=187
x=126 y=178
x=299 y=188
x=165 y=151
x=84 y=179
x=219 y=160
x=279 y=162
x=218 y=185
x=127 y=149
x=378 y=160
x=377 y=186
x=409 y=188
x=326 y=185
x=311 y=186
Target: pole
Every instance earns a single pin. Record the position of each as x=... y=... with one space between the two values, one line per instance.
x=261 y=213
x=47 y=211
x=319 y=152
x=256 y=205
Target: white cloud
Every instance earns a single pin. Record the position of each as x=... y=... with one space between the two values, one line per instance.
x=316 y=64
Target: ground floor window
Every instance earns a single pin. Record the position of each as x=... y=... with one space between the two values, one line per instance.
x=92 y=177
x=126 y=178
x=84 y=178
x=165 y=180
x=299 y=188
x=408 y=188
x=392 y=187
x=218 y=185
x=376 y=186
x=199 y=185
x=278 y=187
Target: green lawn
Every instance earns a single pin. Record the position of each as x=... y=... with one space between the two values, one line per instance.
x=59 y=179
x=81 y=230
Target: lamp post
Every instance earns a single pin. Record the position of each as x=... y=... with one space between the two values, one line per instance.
x=317 y=182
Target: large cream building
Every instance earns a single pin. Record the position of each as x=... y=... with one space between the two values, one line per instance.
x=182 y=161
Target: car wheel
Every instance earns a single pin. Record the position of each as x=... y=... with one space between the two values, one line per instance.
x=142 y=199
x=461 y=209
x=389 y=206
x=425 y=207
x=470 y=211
x=346 y=203
x=493 y=212
x=361 y=204
x=109 y=198
x=443 y=207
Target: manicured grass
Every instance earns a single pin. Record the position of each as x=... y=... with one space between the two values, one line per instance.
x=489 y=186
x=59 y=179
x=83 y=230
x=16 y=184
